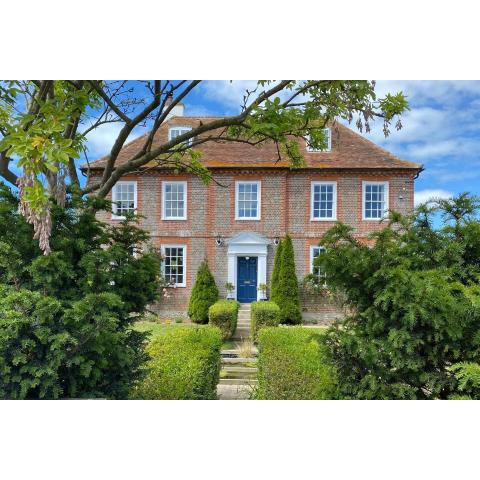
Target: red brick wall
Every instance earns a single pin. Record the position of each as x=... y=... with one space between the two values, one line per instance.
x=285 y=208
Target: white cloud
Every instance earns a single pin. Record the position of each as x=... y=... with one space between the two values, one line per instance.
x=424 y=195
x=100 y=140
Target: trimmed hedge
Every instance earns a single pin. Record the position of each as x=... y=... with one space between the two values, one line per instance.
x=204 y=295
x=224 y=314
x=263 y=314
x=292 y=365
x=184 y=365
x=287 y=295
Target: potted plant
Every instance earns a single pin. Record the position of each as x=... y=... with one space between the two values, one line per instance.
x=262 y=287
x=229 y=287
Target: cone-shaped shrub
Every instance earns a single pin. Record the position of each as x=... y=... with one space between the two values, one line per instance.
x=276 y=272
x=204 y=295
x=286 y=296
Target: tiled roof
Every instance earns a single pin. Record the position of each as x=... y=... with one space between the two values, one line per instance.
x=349 y=151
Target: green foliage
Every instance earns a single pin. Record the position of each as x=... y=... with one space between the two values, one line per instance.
x=224 y=314
x=468 y=377
x=66 y=318
x=415 y=302
x=204 y=295
x=286 y=294
x=263 y=314
x=185 y=365
x=277 y=263
x=292 y=365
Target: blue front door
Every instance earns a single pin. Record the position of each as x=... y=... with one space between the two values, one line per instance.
x=247 y=279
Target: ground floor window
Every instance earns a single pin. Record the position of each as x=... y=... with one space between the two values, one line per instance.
x=174 y=264
x=316 y=270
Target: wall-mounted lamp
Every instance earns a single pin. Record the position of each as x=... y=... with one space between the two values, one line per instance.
x=218 y=241
x=276 y=241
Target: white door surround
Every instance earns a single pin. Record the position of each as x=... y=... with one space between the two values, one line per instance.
x=247 y=244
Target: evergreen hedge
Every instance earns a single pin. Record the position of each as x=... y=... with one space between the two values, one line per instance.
x=292 y=365
x=287 y=296
x=66 y=318
x=263 y=314
x=204 y=295
x=224 y=314
x=184 y=365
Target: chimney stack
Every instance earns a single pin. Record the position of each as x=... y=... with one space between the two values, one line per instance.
x=177 y=110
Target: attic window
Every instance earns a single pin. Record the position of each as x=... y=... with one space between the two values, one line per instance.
x=328 y=134
x=176 y=131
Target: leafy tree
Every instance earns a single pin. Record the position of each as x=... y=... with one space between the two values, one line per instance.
x=276 y=272
x=287 y=297
x=66 y=318
x=414 y=301
x=44 y=125
x=204 y=294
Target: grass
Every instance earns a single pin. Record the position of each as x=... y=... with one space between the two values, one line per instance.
x=155 y=328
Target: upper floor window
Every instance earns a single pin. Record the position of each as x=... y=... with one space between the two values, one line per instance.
x=176 y=131
x=174 y=200
x=316 y=270
x=328 y=148
x=173 y=264
x=124 y=199
x=375 y=200
x=247 y=200
x=324 y=201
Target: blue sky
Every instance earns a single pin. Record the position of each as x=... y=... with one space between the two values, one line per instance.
x=441 y=130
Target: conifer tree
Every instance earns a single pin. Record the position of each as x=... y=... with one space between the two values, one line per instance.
x=276 y=272
x=204 y=294
x=286 y=295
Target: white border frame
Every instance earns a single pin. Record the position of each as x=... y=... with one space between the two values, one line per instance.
x=180 y=127
x=176 y=245
x=334 y=208
x=259 y=200
x=387 y=200
x=329 y=143
x=185 y=199
x=114 y=206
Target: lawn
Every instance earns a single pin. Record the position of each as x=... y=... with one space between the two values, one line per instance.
x=156 y=328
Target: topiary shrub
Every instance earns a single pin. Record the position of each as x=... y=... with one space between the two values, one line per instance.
x=263 y=314
x=204 y=295
x=185 y=365
x=286 y=295
x=277 y=263
x=224 y=314
x=292 y=365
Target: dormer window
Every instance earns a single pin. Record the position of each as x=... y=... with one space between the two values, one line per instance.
x=176 y=131
x=328 y=135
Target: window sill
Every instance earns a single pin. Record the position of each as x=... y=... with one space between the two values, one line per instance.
x=175 y=219
x=333 y=219
x=249 y=219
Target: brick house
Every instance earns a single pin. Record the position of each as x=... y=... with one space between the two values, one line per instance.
x=235 y=223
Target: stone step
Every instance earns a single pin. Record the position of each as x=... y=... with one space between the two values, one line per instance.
x=238 y=360
x=239 y=369
x=233 y=392
x=233 y=353
x=237 y=381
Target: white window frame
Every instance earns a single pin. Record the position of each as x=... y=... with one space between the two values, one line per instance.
x=312 y=248
x=114 y=206
x=329 y=143
x=259 y=199
x=364 y=202
x=183 y=128
x=164 y=203
x=334 y=207
x=175 y=245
